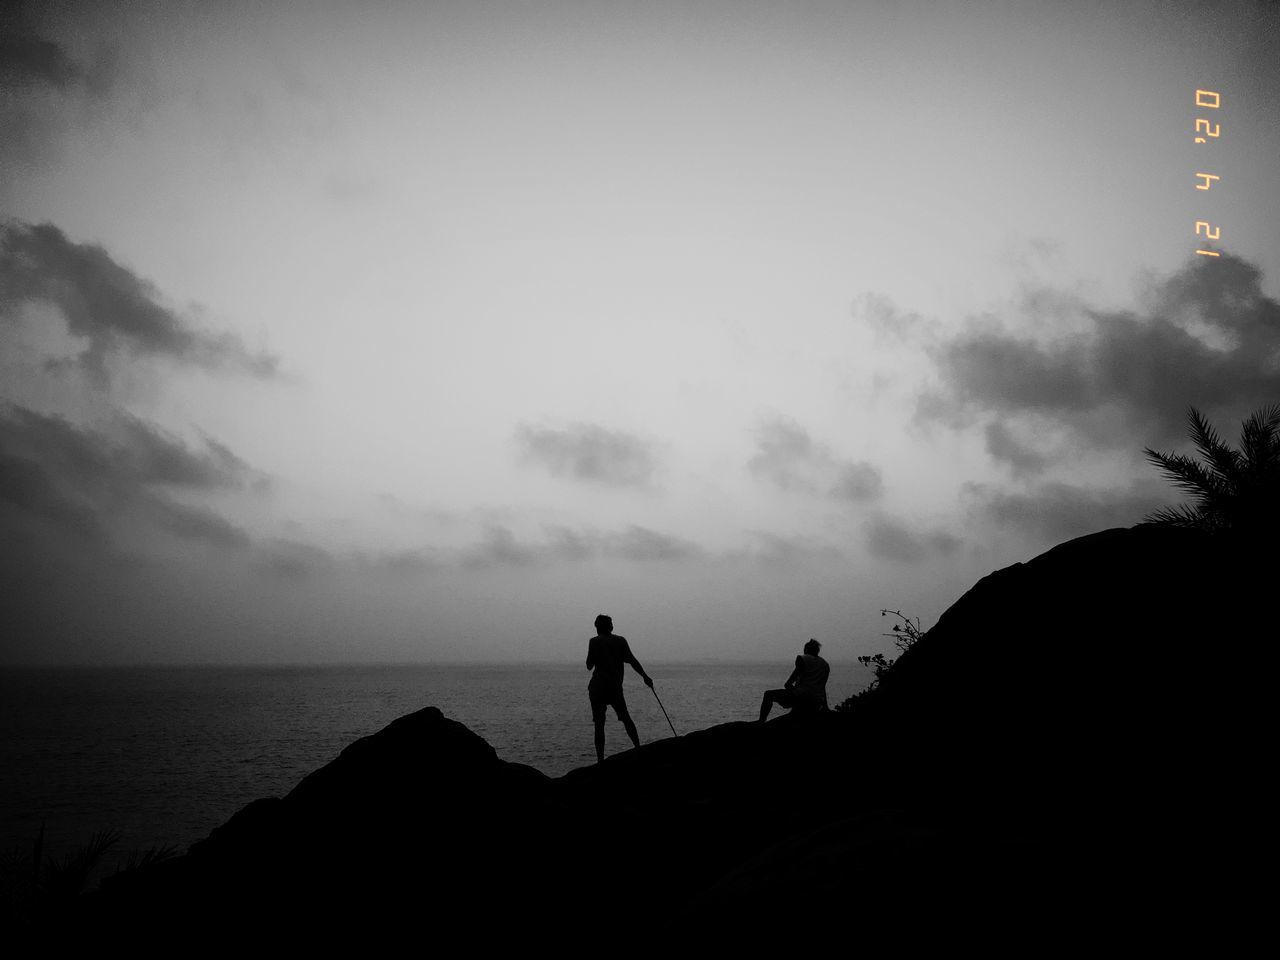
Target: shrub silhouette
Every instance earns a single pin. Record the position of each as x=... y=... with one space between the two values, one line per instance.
x=1232 y=490
x=903 y=636
x=38 y=885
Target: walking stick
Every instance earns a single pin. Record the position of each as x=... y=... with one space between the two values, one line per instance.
x=664 y=711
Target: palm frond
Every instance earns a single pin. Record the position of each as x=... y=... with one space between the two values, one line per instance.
x=1179 y=516
x=1260 y=438
x=1188 y=475
x=68 y=876
x=143 y=858
x=1203 y=433
x=1225 y=461
x=1231 y=489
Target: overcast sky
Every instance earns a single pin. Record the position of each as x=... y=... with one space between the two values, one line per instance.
x=377 y=331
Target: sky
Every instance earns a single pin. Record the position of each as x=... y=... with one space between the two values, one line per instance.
x=426 y=332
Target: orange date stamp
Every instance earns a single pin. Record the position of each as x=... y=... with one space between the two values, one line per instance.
x=1207 y=132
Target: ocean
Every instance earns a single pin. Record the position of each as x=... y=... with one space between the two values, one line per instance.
x=162 y=755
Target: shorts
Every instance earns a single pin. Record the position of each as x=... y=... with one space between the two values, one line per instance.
x=602 y=697
x=800 y=702
x=787 y=699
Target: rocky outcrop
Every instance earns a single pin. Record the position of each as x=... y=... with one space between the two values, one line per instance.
x=1064 y=740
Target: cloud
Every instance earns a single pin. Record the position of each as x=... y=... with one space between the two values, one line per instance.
x=403 y=562
x=784 y=452
x=27 y=489
x=633 y=542
x=789 y=459
x=27 y=62
x=573 y=545
x=196 y=523
x=501 y=547
x=1208 y=337
x=1045 y=248
x=106 y=304
x=887 y=322
x=891 y=539
x=82 y=482
x=783 y=550
x=292 y=559
x=1061 y=511
x=1003 y=445
x=152 y=456
x=857 y=482
x=643 y=544
x=588 y=452
x=45 y=92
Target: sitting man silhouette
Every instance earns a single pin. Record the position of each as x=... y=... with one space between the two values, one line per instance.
x=806 y=688
x=607 y=654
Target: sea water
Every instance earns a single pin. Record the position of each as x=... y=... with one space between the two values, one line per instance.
x=162 y=755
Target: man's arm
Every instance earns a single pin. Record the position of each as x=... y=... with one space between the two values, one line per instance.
x=591 y=653
x=795 y=675
x=631 y=659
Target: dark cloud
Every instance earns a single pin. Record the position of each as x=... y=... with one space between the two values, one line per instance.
x=196 y=523
x=28 y=492
x=573 y=545
x=499 y=548
x=857 y=482
x=783 y=454
x=36 y=62
x=776 y=549
x=788 y=458
x=997 y=370
x=1003 y=445
x=404 y=562
x=150 y=456
x=292 y=559
x=943 y=542
x=112 y=308
x=584 y=451
x=891 y=539
x=45 y=91
x=1059 y=511
x=80 y=482
x=633 y=542
x=641 y=543
x=1209 y=337
x=887 y=322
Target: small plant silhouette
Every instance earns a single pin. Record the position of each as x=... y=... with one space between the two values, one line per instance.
x=37 y=884
x=904 y=635
x=1231 y=489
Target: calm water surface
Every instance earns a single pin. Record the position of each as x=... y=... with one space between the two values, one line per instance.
x=163 y=755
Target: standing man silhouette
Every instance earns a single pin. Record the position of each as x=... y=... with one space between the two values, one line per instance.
x=606 y=656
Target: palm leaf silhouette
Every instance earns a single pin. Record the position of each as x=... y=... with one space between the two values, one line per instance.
x=1230 y=489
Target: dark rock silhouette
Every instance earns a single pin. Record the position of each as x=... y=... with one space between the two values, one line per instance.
x=1078 y=740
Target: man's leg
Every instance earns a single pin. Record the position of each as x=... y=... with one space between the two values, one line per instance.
x=620 y=707
x=770 y=698
x=597 y=717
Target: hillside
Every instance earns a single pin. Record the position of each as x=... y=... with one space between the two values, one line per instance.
x=1076 y=737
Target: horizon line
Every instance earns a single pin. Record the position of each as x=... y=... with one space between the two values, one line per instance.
x=295 y=664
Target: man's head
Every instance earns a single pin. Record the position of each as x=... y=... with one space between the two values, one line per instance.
x=812 y=648
x=604 y=624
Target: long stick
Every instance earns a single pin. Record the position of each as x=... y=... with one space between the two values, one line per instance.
x=664 y=711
